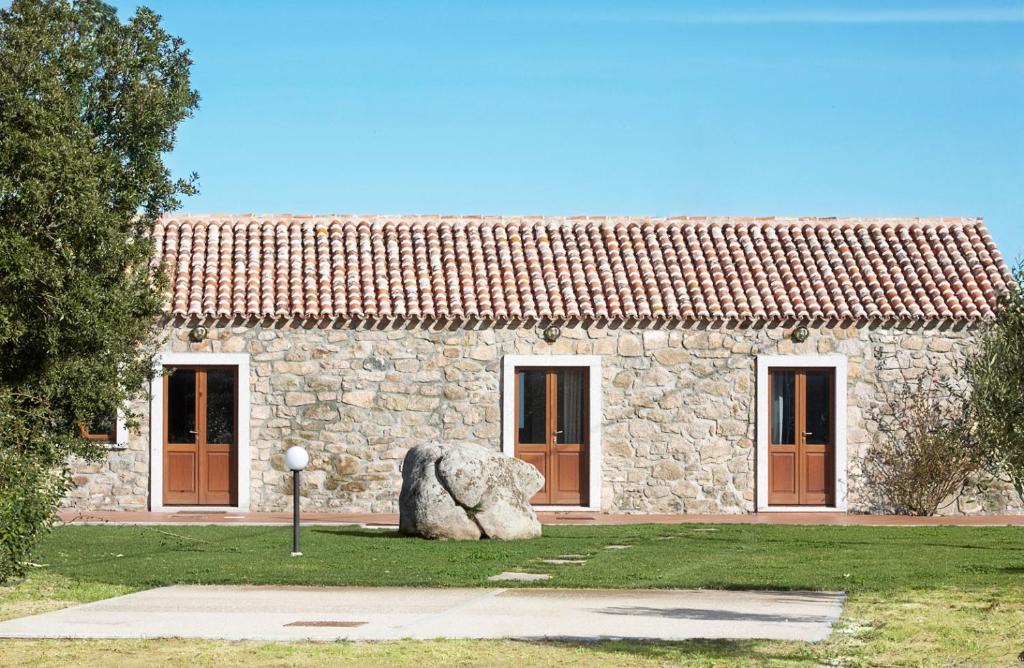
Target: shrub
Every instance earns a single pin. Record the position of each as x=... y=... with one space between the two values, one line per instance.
x=924 y=454
x=29 y=491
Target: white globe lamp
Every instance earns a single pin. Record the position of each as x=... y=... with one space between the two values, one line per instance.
x=296 y=458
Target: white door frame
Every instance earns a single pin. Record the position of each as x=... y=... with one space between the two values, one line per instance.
x=156 y=425
x=764 y=364
x=508 y=416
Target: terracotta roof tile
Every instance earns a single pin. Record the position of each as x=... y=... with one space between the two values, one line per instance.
x=431 y=267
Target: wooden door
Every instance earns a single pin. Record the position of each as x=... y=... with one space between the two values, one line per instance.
x=551 y=430
x=801 y=437
x=200 y=436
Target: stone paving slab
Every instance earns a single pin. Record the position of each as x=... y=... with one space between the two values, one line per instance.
x=516 y=576
x=563 y=562
x=334 y=613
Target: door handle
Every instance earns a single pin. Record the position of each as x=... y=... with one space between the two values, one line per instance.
x=560 y=431
x=807 y=433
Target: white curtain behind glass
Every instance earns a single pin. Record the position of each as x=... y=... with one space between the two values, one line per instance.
x=570 y=406
x=783 y=390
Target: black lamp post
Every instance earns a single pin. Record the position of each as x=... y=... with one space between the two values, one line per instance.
x=296 y=459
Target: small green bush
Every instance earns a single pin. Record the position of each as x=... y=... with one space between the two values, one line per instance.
x=28 y=494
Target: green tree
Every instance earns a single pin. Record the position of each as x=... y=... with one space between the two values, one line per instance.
x=995 y=374
x=89 y=106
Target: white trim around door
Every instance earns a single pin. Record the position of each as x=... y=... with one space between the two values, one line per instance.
x=764 y=364
x=508 y=418
x=156 y=423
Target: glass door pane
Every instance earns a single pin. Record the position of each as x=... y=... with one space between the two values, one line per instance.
x=783 y=407
x=818 y=407
x=532 y=400
x=220 y=406
x=570 y=406
x=181 y=406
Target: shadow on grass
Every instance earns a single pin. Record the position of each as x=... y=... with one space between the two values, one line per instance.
x=965 y=546
x=359 y=532
x=718 y=652
x=833 y=543
x=705 y=614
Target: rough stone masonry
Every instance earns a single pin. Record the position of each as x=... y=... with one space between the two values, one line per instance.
x=678 y=403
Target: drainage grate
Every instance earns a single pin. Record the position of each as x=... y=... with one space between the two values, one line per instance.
x=328 y=623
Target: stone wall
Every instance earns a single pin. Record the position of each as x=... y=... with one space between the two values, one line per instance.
x=678 y=424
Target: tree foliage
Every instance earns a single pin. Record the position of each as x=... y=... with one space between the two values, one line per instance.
x=89 y=106
x=995 y=373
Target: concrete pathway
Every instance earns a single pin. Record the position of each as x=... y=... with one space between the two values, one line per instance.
x=313 y=613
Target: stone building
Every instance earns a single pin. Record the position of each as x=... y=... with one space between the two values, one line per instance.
x=679 y=365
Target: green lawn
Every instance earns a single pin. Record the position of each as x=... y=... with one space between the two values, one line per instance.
x=918 y=595
x=731 y=556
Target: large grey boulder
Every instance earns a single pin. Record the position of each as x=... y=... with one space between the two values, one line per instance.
x=465 y=492
x=425 y=507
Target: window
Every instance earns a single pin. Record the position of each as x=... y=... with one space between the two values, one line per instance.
x=101 y=430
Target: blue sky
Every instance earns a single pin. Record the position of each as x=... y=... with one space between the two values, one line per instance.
x=741 y=108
